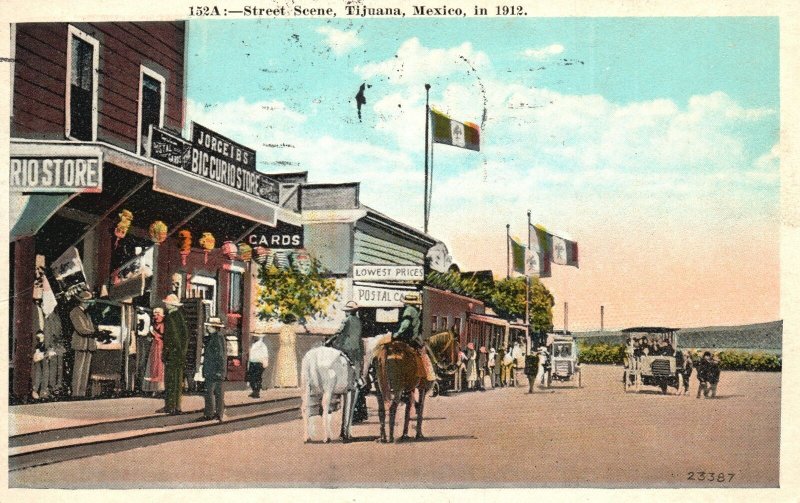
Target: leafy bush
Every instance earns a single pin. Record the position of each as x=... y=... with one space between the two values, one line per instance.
x=602 y=353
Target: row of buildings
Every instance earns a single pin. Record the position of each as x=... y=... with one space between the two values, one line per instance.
x=106 y=192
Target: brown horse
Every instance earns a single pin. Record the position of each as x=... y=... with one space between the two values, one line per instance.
x=400 y=372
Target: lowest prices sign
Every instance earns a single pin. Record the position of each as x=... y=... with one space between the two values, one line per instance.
x=56 y=174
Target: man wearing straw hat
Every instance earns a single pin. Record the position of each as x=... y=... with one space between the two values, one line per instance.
x=410 y=331
x=83 y=343
x=176 y=342
x=215 y=366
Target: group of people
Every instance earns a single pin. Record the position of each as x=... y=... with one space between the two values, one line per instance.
x=656 y=347
x=500 y=366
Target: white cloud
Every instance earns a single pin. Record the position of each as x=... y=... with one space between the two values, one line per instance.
x=341 y=42
x=416 y=64
x=544 y=52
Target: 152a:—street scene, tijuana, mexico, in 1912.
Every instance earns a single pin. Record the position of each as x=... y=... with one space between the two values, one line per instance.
x=517 y=252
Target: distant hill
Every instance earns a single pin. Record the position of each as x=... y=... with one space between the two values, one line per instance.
x=763 y=336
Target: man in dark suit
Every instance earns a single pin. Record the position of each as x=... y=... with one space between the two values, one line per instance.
x=215 y=366
x=176 y=343
x=348 y=338
x=83 y=343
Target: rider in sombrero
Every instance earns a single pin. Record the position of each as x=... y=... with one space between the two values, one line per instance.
x=410 y=331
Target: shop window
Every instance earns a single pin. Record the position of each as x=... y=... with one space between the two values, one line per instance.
x=83 y=58
x=457 y=325
x=151 y=104
x=205 y=288
x=434 y=320
x=236 y=291
x=443 y=323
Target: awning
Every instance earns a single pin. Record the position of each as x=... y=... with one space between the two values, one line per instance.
x=488 y=319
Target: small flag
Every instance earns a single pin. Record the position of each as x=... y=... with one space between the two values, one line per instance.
x=541 y=246
x=450 y=132
x=517 y=255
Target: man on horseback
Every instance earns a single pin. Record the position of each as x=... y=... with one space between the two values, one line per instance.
x=348 y=340
x=410 y=332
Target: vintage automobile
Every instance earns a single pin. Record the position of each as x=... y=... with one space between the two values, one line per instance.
x=561 y=362
x=648 y=360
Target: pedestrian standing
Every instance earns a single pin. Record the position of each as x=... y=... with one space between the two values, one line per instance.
x=215 y=365
x=705 y=373
x=497 y=377
x=54 y=357
x=472 y=364
x=154 y=369
x=482 y=362
x=461 y=367
x=518 y=353
x=531 y=367
x=508 y=368
x=83 y=343
x=176 y=342
x=714 y=373
x=492 y=357
x=258 y=361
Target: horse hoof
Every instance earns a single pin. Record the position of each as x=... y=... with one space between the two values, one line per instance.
x=404 y=438
x=327 y=440
x=420 y=436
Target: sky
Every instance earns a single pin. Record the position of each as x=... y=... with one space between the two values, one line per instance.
x=652 y=142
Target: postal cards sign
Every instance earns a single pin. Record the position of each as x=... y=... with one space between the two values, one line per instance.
x=56 y=174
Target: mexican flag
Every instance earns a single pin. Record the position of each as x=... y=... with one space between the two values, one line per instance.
x=516 y=256
x=450 y=132
x=552 y=248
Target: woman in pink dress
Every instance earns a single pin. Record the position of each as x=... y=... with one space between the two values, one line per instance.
x=154 y=378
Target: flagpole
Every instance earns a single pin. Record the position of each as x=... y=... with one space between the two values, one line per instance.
x=427 y=125
x=508 y=251
x=528 y=288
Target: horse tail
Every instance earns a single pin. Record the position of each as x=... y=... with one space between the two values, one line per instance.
x=305 y=382
x=382 y=374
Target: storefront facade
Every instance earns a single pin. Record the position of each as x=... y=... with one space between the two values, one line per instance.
x=96 y=192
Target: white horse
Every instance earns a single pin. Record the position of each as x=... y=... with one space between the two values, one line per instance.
x=325 y=374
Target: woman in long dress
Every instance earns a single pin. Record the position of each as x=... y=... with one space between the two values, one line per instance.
x=472 y=367
x=154 y=375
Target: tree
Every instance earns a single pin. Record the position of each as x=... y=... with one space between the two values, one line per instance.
x=506 y=297
x=288 y=295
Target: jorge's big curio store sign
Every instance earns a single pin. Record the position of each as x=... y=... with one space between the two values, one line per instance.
x=215 y=157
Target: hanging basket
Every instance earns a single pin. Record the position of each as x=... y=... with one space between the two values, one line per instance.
x=245 y=252
x=158 y=232
x=207 y=243
x=229 y=250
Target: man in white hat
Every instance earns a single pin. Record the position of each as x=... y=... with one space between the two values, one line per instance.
x=83 y=343
x=176 y=343
x=348 y=338
x=215 y=366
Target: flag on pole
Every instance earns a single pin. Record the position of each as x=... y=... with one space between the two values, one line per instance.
x=458 y=134
x=516 y=256
x=565 y=252
x=552 y=248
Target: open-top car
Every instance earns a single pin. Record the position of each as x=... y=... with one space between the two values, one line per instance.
x=650 y=358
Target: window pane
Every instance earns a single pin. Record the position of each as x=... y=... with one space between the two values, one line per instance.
x=151 y=105
x=81 y=84
x=235 y=299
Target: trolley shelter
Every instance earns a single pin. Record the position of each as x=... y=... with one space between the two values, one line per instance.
x=485 y=330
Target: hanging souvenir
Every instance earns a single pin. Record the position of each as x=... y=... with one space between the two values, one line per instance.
x=245 y=252
x=121 y=230
x=229 y=250
x=207 y=242
x=158 y=232
x=185 y=245
x=261 y=254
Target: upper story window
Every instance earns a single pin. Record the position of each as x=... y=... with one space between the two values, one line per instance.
x=83 y=60
x=151 y=105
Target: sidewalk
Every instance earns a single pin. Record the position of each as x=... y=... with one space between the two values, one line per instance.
x=50 y=415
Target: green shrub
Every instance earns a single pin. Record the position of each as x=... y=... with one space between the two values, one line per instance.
x=614 y=354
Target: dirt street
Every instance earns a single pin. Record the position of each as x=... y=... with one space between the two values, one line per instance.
x=596 y=436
